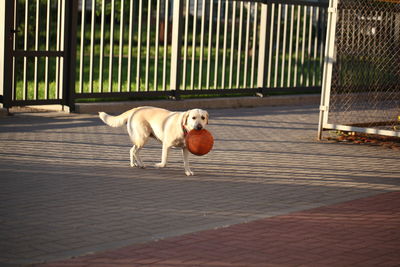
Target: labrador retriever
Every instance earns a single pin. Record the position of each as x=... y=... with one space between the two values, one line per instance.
x=168 y=127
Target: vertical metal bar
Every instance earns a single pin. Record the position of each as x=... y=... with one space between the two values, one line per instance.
x=239 y=44
x=139 y=46
x=262 y=46
x=25 y=84
x=102 y=37
x=92 y=35
x=8 y=97
x=193 y=45
x=148 y=45
x=69 y=46
x=315 y=48
x=322 y=43
x=296 y=54
x=226 y=20
x=185 y=53
x=58 y=47
x=203 y=15
x=156 y=40
x=253 y=54
x=111 y=57
x=210 y=28
x=289 y=72
x=7 y=85
x=176 y=47
x=63 y=26
x=62 y=48
x=82 y=51
x=277 y=45
x=328 y=64
x=36 y=89
x=309 y=47
x=121 y=45
x=303 y=43
x=246 y=53
x=166 y=26
x=217 y=45
x=129 y=67
x=46 y=62
x=284 y=46
x=271 y=38
x=232 y=44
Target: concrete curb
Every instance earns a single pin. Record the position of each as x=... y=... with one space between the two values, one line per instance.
x=3 y=112
x=208 y=103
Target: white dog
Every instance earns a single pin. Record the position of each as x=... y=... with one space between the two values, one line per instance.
x=170 y=128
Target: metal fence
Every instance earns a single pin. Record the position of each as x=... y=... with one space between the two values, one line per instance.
x=363 y=92
x=38 y=65
x=58 y=51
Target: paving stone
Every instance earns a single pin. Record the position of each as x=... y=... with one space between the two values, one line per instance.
x=66 y=179
x=333 y=235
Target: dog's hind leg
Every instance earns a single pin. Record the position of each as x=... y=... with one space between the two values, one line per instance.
x=139 y=138
x=135 y=158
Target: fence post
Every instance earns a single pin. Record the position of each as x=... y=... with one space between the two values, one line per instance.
x=175 y=80
x=263 y=48
x=69 y=74
x=328 y=65
x=2 y=46
x=6 y=46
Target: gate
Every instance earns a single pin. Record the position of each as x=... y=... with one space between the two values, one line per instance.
x=361 y=83
x=38 y=61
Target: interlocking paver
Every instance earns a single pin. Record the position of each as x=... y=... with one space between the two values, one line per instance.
x=334 y=235
x=66 y=180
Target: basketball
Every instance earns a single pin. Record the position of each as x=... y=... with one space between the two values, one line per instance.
x=199 y=142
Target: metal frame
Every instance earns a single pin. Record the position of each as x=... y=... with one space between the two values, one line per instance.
x=328 y=65
x=330 y=58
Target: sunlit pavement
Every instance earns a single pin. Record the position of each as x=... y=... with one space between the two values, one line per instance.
x=268 y=193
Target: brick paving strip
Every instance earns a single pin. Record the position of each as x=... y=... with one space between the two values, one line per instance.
x=67 y=190
x=363 y=232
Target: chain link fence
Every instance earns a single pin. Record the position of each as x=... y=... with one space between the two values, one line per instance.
x=365 y=86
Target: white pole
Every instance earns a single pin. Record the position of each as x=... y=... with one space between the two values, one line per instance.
x=328 y=65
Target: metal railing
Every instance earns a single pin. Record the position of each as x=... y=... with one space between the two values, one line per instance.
x=222 y=45
x=62 y=50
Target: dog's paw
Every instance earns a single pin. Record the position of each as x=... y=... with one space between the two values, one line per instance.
x=159 y=165
x=136 y=164
x=189 y=173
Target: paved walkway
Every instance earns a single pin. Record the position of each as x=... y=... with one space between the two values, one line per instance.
x=67 y=190
x=362 y=232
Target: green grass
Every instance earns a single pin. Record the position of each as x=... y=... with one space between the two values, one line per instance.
x=86 y=83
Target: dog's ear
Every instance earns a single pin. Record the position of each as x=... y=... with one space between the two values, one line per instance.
x=185 y=118
x=206 y=117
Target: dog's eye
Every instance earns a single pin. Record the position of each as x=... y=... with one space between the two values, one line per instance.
x=194 y=118
x=203 y=118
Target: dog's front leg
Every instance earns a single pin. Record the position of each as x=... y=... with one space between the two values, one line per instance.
x=164 y=156
x=185 y=154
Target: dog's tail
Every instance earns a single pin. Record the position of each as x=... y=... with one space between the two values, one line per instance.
x=116 y=121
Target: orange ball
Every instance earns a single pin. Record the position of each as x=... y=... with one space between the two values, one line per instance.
x=199 y=142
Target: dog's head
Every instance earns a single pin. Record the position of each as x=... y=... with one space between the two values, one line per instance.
x=195 y=119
